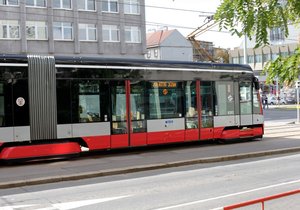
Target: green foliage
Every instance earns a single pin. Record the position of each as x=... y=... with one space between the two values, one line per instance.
x=255 y=18
x=285 y=68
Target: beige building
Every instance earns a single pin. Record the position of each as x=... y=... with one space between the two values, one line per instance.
x=257 y=58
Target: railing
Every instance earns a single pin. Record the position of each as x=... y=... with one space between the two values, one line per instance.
x=261 y=200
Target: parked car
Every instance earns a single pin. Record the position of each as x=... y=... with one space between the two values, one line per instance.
x=273 y=100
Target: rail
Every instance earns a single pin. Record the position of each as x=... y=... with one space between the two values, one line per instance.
x=261 y=200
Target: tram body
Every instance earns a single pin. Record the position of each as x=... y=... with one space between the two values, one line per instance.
x=53 y=106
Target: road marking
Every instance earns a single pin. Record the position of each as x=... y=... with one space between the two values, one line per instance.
x=68 y=205
x=15 y=207
x=229 y=195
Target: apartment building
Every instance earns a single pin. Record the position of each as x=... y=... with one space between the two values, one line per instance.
x=114 y=28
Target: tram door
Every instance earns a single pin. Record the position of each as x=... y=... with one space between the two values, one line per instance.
x=119 y=114
x=206 y=115
x=21 y=110
x=138 y=135
x=245 y=103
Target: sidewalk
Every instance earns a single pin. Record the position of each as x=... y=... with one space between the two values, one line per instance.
x=134 y=160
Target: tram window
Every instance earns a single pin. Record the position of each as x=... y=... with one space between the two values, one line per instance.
x=137 y=107
x=86 y=101
x=191 y=113
x=165 y=100
x=245 y=98
x=63 y=95
x=118 y=107
x=89 y=101
x=207 y=104
x=225 y=98
x=256 y=102
x=5 y=104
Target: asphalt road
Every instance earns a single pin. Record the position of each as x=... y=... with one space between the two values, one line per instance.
x=195 y=187
x=280 y=137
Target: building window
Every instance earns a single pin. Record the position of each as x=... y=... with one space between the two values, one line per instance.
x=274 y=56
x=132 y=34
x=9 y=29
x=62 y=4
x=277 y=34
x=36 y=3
x=9 y=2
x=36 y=30
x=241 y=60
x=156 y=53
x=62 y=31
x=258 y=58
x=284 y=54
x=266 y=57
x=149 y=54
x=235 y=60
x=86 y=5
x=111 y=33
x=251 y=59
x=87 y=32
x=132 y=7
x=110 y=6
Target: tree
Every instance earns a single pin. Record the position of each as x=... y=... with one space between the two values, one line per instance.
x=254 y=18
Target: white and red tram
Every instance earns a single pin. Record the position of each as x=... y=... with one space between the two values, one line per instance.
x=54 y=106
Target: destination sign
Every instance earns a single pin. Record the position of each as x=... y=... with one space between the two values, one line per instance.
x=164 y=84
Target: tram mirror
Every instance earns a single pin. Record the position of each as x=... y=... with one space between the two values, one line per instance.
x=256 y=83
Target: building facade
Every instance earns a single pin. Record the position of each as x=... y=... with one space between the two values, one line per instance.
x=168 y=45
x=257 y=58
x=114 y=28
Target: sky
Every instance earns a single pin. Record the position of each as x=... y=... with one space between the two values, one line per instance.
x=186 y=16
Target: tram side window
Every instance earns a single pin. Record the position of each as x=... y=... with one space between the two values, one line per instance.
x=191 y=113
x=118 y=107
x=2 y=114
x=63 y=94
x=225 y=98
x=256 y=102
x=207 y=105
x=89 y=101
x=246 y=98
x=165 y=100
x=137 y=107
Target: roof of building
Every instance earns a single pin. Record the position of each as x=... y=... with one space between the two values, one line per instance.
x=157 y=37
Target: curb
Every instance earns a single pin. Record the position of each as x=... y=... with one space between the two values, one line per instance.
x=94 y=174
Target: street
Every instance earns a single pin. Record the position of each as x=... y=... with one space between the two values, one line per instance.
x=209 y=185
x=191 y=187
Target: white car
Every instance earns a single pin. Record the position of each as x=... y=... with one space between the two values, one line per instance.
x=273 y=100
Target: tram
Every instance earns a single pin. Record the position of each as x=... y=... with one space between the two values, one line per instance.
x=54 y=106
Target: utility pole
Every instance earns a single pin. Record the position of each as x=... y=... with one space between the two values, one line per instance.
x=245 y=50
x=298 y=106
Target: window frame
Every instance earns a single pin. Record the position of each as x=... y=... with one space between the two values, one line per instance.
x=7 y=3
x=135 y=34
x=111 y=29
x=87 y=28
x=35 y=4
x=131 y=4
x=36 y=30
x=63 y=28
x=9 y=24
x=109 y=6
x=86 y=5
x=61 y=5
